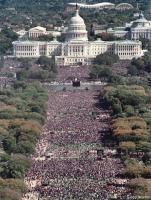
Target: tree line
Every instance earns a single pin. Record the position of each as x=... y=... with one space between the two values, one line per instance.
x=22 y=115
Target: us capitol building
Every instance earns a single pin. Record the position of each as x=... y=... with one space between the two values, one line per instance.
x=77 y=49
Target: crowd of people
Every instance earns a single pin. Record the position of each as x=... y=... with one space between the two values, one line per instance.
x=65 y=164
x=66 y=74
x=120 y=68
x=6 y=82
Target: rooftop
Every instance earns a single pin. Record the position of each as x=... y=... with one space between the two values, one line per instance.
x=39 y=28
x=97 y=5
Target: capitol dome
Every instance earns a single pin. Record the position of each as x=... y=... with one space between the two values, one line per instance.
x=76 y=29
x=141 y=22
x=77 y=19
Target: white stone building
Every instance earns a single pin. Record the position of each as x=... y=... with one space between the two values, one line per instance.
x=139 y=28
x=77 y=49
x=37 y=31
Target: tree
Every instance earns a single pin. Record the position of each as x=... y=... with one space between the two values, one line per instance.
x=9 y=194
x=133 y=171
x=130 y=129
x=9 y=144
x=139 y=63
x=47 y=63
x=117 y=108
x=146 y=44
x=1 y=61
x=132 y=70
x=115 y=80
x=38 y=74
x=7 y=36
x=95 y=72
x=44 y=60
x=105 y=72
x=106 y=59
x=22 y=75
x=16 y=167
x=100 y=71
x=25 y=63
x=147 y=158
x=127 y=146
x=9 y=33
x=25 y=147
x=129 y=110
x=140 y=186
x=14 y=184
x=144 y=146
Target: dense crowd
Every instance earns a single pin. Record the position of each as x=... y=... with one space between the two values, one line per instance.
x=120 y=68
x=6 y=82
x=66 y=164
x=66 y=74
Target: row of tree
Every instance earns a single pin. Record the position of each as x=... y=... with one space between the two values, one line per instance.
x=102 y=64
x=130 y=103
x=7 y=36
x=22 y=116
x=131 y=129
x=45 y=69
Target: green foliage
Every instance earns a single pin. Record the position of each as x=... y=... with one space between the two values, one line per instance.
x=9 y=144
x=146 y=44
x=7 y=36
x=140 y=186
x=143 y=64
x=144 y=147
x=22 y=75
x=9 y=194
x=25 y=63
x=22 y=114
x=129 y=110
x=147 y=158
x=15 y=167
x=44 y=72
x=1 y=61
x=134 y=170
x=99 y=71
x=131 y=126
x=106 y=59
x=47 y=63
x=125 y=99
x=25 y=147
x=117 y=107
x=101 y=66
x=127 y=146
x=13 y=184
x=132 y=70
x=130 y=129
x=116 y=80
x=21 y=117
